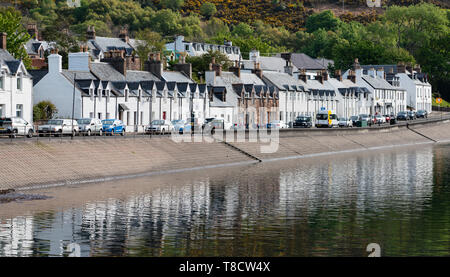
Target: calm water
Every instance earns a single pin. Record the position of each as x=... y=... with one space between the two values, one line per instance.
x=330 y=207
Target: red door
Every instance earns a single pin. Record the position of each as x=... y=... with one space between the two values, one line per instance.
x=164 y=116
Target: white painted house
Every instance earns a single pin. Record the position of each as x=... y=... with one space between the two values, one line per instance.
x=16 y=86
x=179 y=45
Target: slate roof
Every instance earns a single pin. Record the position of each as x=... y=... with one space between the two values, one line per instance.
x=267 y=64
x=284 y=81
x=7 y=59
x=37 y=74
x=301 y=60
x=379 y=83
x=80 y=75
x=175 y=76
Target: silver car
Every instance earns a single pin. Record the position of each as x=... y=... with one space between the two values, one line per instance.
x=59 y=127
x=90 y=126
x=14 y=126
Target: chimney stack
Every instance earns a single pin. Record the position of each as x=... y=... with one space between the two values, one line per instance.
x=154 y=65
x=302 y=75
x=124 y=35
x=116 y=58
x=257 y=71
x=356 y=65
x=338 y=75
x=409 y=67
x=215 y=67
x=90 y=34
x=319 y=76
x=3 y=40
x=236 y=69
x=324 y=75
x=33 y=30
x=351 y=76
x=401 y=68
x=184 y=67
x=417 y=68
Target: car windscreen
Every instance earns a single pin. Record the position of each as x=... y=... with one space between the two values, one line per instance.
x=5 y=121
x=84 y=121
x=158 y=122
x=55 y=122
x=354 y=118
x=108 y=122
x=303 y=118
x=322 y=116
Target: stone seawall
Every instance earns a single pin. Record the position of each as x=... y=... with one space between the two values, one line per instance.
x=26 y=164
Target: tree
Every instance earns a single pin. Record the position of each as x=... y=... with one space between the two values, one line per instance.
x=17 y=36
x=200 y=64
x=44 y=110
x=148 y=41
x=324 y=20
x=208 y=9
x=172 y=4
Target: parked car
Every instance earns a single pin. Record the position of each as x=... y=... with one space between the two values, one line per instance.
x=354 y=119
x=387 y=117
x=345 y=122
x=411 y=115
x=207 y=120
x=59 y=127
x=159 y=126
x=379 y=119
x=113 y=126
x=277 y=124
x=89 y=126
x=367 y=118
x=422 y=114
x=179 y=125
x=16 y=126
x=302 y=122
x=402 y=116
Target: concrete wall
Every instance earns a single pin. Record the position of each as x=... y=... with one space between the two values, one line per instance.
x=28 y=163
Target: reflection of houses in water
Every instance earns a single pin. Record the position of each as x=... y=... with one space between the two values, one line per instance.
x=375 y=181
x=16 y=237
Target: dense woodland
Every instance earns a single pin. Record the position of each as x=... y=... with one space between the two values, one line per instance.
x=403 y=30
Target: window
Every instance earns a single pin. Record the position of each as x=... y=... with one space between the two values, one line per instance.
x=2 y=81
x=19 y=110
x=2 y=110
x=99 y=115
x=108 y=115
x=91 y=115
x=19 y=82
x=186 y=47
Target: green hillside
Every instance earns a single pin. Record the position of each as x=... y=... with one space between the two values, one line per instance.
x=410 y=32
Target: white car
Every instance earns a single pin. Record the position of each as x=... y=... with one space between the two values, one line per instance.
x=277 y=124
x=345 y=122
x=159 y=126
x=89 y=126
x=59 y=127
x=379 y=119
x=16 y=126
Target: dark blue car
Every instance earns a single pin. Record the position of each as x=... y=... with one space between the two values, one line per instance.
x=113 y=126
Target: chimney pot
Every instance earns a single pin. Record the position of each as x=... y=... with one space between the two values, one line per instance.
x=3 y=42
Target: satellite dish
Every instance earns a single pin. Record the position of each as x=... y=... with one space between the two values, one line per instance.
x=373 y=3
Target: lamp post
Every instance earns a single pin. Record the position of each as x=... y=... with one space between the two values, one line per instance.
x=73 y=102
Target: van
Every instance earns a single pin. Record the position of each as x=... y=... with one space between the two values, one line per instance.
x=327 y=119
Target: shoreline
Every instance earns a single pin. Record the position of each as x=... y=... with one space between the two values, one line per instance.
x=77 y=162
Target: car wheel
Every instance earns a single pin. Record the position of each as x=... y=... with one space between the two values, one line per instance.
x=30 y=133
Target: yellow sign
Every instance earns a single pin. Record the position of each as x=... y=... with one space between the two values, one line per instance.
x=439 y=100
x=329 y=118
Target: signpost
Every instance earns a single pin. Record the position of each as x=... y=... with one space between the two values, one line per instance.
x=439 y=101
